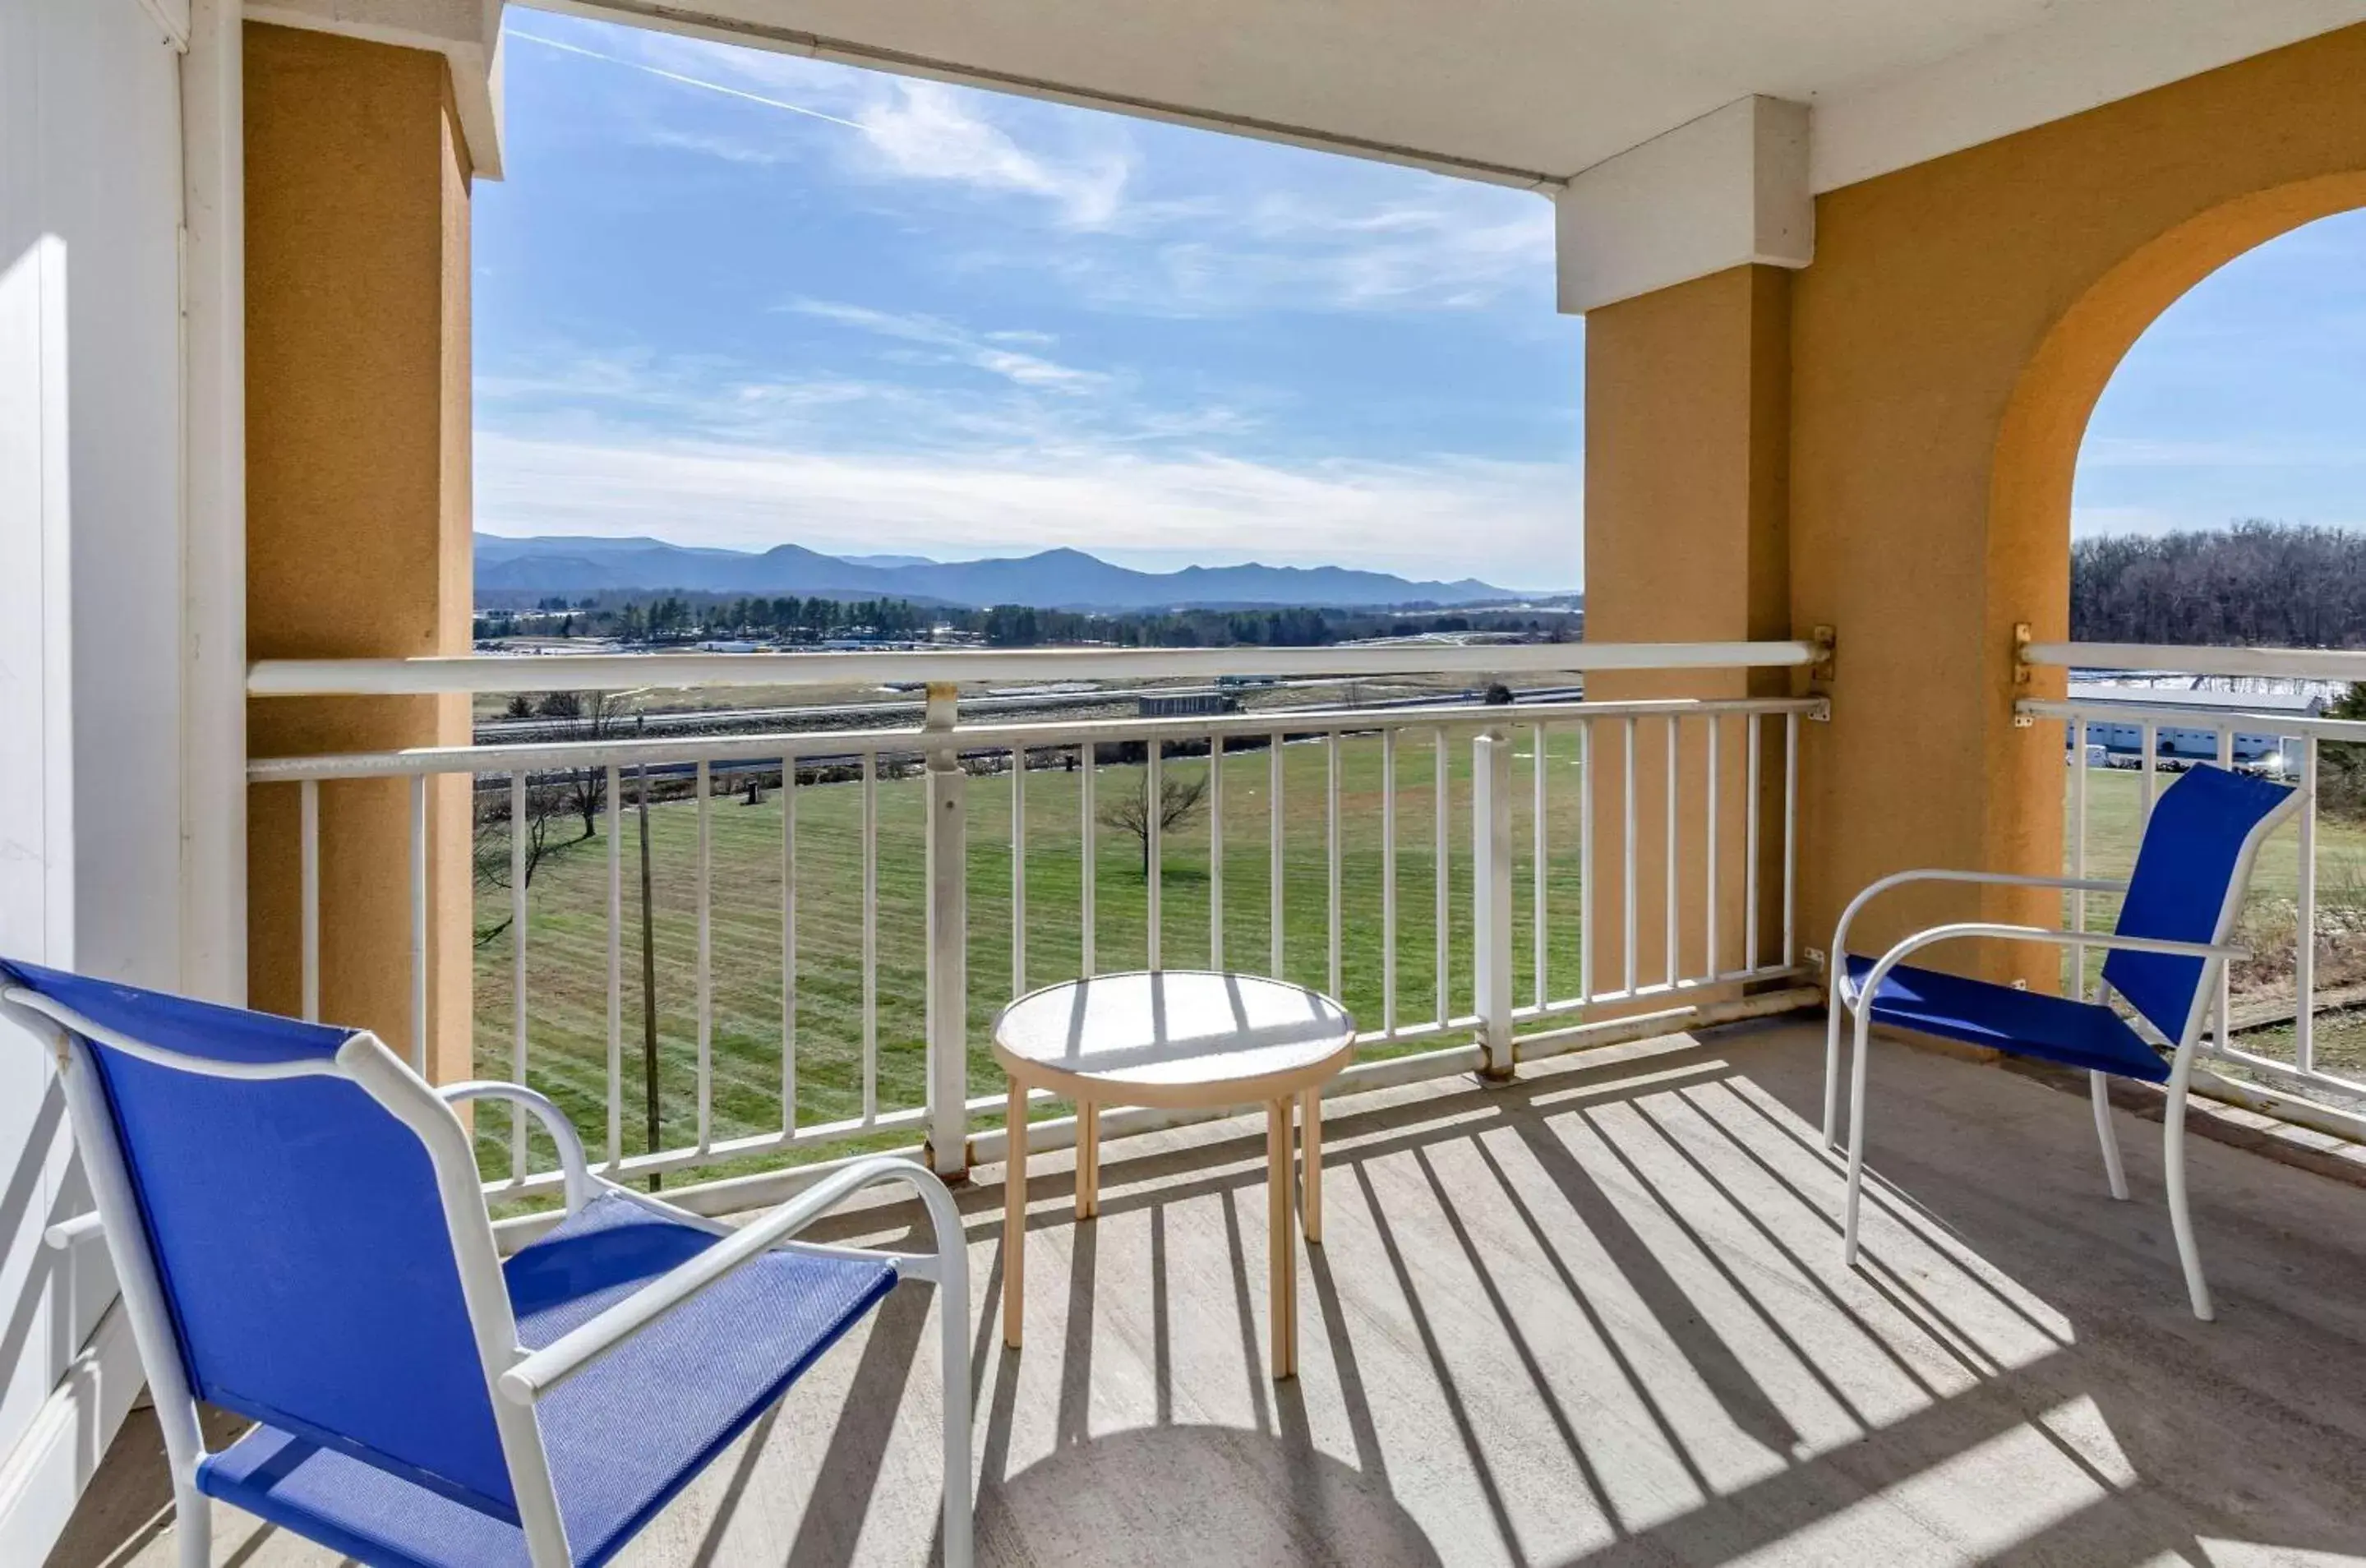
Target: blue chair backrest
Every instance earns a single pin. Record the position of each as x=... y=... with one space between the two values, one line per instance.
x=2186 y=885
x=298 y=1238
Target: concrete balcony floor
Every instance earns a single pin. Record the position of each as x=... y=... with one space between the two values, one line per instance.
x=1599 y=1317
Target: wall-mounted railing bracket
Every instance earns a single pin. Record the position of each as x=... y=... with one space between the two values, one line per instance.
x=1825 y=641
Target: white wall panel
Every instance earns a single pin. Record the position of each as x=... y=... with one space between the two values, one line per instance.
x=90 y=624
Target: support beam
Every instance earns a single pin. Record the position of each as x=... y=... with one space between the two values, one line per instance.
x=1729 y=189
x=358 y=462
x=466 y=33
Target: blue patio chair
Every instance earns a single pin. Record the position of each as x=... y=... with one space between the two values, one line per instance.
x=2166 y=960
x=297 y=1224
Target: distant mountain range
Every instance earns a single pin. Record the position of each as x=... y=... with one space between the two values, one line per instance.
x=1057 y=580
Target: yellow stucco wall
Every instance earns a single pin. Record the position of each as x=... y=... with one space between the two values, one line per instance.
x=1686 y=496
x=1943 y=353
x=357 y=502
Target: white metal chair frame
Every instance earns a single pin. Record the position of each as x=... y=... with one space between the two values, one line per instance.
x=515 y=1378
x=1856 y=1004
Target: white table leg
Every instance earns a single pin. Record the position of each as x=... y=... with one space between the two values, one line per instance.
x=1310 y=1110
x=1282 y=1249
x=1089 y=1160
x=1014 y=1216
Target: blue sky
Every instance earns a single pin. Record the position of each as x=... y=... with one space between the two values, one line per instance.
x=2247 y=399
x=732 y=298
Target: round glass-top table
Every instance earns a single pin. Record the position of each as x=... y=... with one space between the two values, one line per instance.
x=1179 y=1039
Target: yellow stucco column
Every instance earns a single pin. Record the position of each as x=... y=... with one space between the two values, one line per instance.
x=1687 y=395
x=1948 y=345
x=358 y=424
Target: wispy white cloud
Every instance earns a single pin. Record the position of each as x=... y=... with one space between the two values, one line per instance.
x=926 y=130
x=2265 y=451
x=980 y=351
x=1165 y=252
x=1518 y=523
x=682 y=78
x=908 y=129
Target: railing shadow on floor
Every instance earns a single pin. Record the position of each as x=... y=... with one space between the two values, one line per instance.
x=1597 y=1316
x=1698 y=1188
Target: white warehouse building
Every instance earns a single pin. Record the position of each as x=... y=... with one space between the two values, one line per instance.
x=2256 y=738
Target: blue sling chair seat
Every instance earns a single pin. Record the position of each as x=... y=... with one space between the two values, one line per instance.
x=297 y=1222
x=2165 y=960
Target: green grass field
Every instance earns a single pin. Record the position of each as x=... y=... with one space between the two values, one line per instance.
x=567 y=925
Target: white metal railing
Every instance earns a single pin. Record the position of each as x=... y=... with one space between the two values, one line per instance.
x=2328 y=1098
x=1696 y=744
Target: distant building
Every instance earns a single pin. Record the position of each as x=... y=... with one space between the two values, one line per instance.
x=1187 y=705
x=2182 y=737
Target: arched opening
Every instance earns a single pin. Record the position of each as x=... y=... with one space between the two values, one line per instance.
x=2213 y=502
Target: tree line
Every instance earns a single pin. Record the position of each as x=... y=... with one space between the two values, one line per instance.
x=680 y=618
x=2277 y=584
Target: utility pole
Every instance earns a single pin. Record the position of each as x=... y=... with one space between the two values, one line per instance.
x=649 y=964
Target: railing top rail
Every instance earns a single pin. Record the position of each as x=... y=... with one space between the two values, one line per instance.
x=772 y=745
x=2170 y=713
x=2295 y=663
x=624 y=671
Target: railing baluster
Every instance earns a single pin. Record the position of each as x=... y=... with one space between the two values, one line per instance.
x=1276 y=890
x=1674 y=949
x=1630 y=916
x=703 y=784
x=1586 y=903
x=869 y=937
x=946 y=917
x=1389 y=882
x=2304 y=959
x=1442 y=874
x=2227 y=971
x=1331 y=837
x=2079 y=853
x=1216 y=851
x=1539 y=924
x=308 y=855
x=2150 y=737
x=518 y=830
x=1756 y=723
x=1088 y=864
x=1153 y=849
x=419 y=924
x=1711 y=797
x=789 y=946
x=1491 y=897
x=1790 y=834
x=613 y=799
x=1018 y=871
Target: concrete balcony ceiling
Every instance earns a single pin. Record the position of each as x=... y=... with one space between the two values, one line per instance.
x=1524 y=93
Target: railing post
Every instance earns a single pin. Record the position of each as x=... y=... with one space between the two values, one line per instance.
x=1491 y=893
x=948 y=926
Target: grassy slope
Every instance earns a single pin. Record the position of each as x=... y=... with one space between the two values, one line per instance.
x=566 y=926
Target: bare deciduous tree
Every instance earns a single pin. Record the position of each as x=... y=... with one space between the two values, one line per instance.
x=586 y=715
x=1178 y=800
x=494 y=833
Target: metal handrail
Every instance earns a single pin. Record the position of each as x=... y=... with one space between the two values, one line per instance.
x=626 y=671
x=2295 y=663
x=772 y=745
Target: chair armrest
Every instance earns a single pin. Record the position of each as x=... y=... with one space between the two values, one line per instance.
x=571 y=1163
x=1935 y=934
x=538 y=1373
x=1989 y=878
